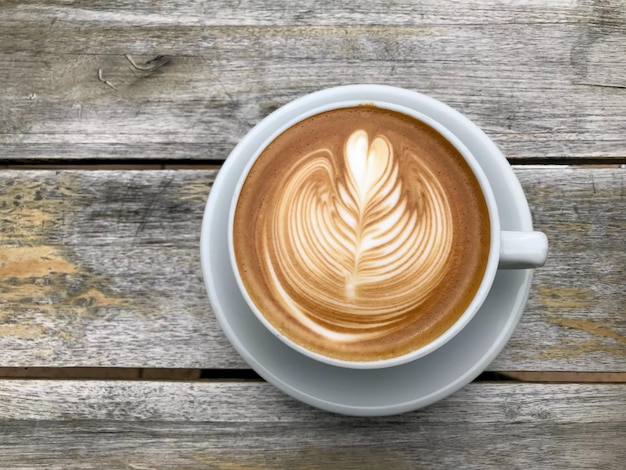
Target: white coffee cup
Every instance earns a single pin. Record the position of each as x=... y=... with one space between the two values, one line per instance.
x=508 y=250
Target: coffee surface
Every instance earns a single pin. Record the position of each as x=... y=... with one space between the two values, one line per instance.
x=361 y=234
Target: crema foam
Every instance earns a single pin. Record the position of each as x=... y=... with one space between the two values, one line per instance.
x=361 y=234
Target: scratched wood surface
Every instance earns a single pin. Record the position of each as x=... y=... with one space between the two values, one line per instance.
x=545 y=79
x=101 y=268
x=139 y=426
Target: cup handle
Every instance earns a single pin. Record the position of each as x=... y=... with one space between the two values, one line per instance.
x=522 y=250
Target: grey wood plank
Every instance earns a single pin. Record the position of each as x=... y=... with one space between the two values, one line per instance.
x=147 y=425
x=583 y=213
x=543 y=79
x=254 y=401
x=101 y=269
x=70 y=288
x=305 y=13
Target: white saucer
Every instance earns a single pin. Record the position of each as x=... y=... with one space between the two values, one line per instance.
x=379 y=391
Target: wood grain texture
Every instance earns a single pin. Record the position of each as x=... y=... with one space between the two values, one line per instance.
x=101 y=269
x=543 y=79
x=577 y=309
x=143 y=425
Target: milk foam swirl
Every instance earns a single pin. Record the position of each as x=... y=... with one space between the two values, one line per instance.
x=356 y=242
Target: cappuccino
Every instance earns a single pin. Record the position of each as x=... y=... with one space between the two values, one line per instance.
x=361 y=234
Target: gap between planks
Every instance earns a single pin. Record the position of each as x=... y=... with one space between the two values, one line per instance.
x=129 y=373
x=112 y=166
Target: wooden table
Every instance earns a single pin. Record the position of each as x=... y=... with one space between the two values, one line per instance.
x=114 y=120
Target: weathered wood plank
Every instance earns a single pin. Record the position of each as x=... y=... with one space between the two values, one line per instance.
x=68 y=288
x=578 y=306
x=102 y=269
x=543 y=79
x=306 y=13
x=259 y=402
x=146 y=425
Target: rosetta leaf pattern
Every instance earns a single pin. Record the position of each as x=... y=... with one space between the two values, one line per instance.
x=352 y=247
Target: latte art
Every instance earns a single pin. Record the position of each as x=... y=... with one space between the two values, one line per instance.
x=361 y=234
x=351 y=252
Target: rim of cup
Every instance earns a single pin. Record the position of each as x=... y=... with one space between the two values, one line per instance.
x=494 y=250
